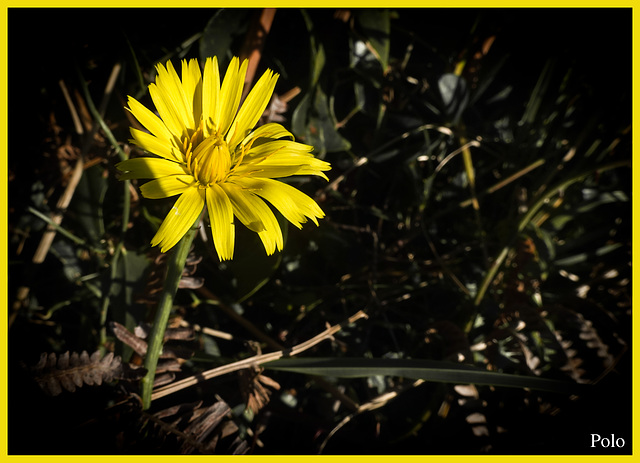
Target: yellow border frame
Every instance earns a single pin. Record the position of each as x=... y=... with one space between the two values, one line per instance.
x=4 y=296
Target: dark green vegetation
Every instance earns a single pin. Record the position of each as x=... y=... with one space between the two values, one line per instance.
x=478 y=212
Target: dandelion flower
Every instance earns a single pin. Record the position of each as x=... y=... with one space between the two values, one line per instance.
x=207 y=151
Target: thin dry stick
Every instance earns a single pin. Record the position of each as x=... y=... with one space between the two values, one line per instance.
x=254 y=43
x=72 y=109
x=207 y=330
x=255 y=331
x=56 y=217
x=255 y=360
x=289 y=95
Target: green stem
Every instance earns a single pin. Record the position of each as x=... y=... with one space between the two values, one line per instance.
x=175 y=266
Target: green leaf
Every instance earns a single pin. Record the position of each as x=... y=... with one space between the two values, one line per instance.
x=251 y=267
x=66 y=254
x=376 y=26
x=128 y=279
x=538 y=94
x=313 y=123
x=128 y=274
x=594 y=199
x=312 y=120
x=221 y=31
x=428 y=370
x=455 y=95
x=299 y=117
x=316 y=52
x=87 y=203
x=317 y=65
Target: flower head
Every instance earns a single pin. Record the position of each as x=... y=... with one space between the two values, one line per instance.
x=208 y=152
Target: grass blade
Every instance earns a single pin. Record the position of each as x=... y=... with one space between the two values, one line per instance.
x=428 y=370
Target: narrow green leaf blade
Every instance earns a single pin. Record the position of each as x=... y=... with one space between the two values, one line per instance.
x=428 y=370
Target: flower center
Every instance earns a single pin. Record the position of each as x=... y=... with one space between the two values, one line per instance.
x=209 y=160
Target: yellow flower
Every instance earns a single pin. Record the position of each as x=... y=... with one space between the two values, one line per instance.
x=209 y=153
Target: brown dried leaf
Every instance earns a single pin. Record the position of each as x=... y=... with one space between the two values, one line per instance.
x=70 y=371
x=206 y=423
x=163 y=379
x=139 y=345
x=251 y=385
x=123 y=334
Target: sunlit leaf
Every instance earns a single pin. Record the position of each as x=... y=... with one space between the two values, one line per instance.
x=454 y=93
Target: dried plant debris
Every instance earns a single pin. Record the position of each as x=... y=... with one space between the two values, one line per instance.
x=69 y=371
x=138 y=345
x=252 y=386
x=176 y=348
x=155 y=281
x=173 y=336
x=198 y=429
x=278 y=107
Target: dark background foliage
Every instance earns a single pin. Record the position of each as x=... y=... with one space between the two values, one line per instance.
x=533 y=281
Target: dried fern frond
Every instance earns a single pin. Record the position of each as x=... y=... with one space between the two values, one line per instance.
x=199 y=429
x=587 y=355
x=69 y=371
x=171 y=358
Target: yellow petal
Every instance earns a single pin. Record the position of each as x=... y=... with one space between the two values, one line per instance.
x=150 y=168
x=281 y=158
x=254 y=213
x=252 y=108
x=169 y=82
x=192 y=85
x=210 y=94
x=230 y=94
x=266 y=133
x=294 y=205
x=168 y=113
x=156 y=145
x=221 y=218
x=196 y=73
x=167 y=186
x=264 y=170
x=149 y=120
x=180 y=218
x=262 y=149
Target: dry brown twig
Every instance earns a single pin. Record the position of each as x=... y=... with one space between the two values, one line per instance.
x=255 y=360
x=254 y=43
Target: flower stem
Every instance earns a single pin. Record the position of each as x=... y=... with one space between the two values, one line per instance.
x=175 y=266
